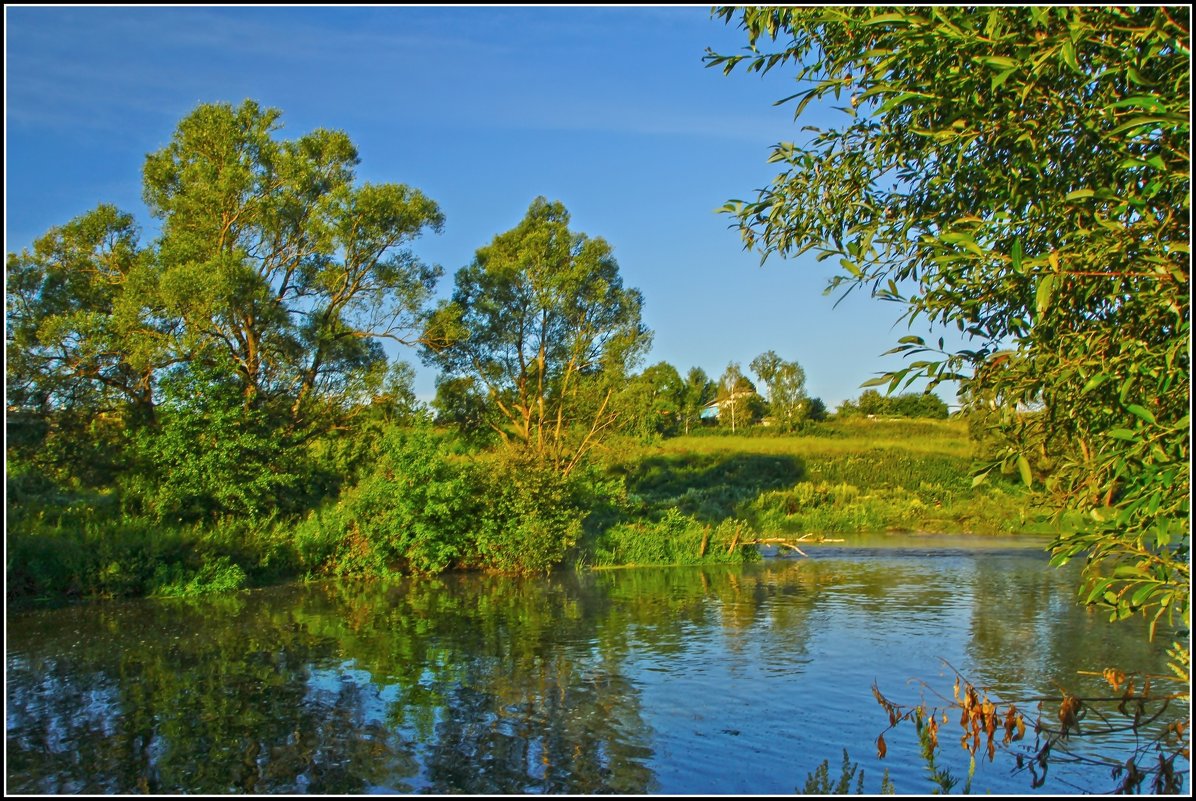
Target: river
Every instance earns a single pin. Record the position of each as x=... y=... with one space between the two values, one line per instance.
x=641 y=680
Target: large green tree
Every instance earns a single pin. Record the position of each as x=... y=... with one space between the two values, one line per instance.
x=273 y=256
x=76 y=336
x=275 y=274
x=907 y=404
x=786 y=383
x=83 y=348
x=650 y=403
x=1022 y=176
x=739 y=405
x=698 y=394
x=542 y=323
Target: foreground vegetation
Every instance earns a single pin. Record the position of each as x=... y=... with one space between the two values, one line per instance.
x=424 y=503
x=1022 y=176
x=841 y=477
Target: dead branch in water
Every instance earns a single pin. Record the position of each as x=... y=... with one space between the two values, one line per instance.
x=789 y=543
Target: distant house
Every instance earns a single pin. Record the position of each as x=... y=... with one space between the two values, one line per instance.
x=749 y=407
x=715 y=406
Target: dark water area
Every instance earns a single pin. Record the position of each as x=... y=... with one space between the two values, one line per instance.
x=653 y=680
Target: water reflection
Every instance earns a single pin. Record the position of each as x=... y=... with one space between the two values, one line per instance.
x=629 y=681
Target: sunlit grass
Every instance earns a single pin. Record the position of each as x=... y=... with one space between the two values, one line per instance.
x=851 y=436
x=840 y=478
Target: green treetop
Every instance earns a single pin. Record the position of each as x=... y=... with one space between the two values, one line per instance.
x=541 y=322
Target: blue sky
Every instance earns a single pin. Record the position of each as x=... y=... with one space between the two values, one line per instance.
x=609 y=110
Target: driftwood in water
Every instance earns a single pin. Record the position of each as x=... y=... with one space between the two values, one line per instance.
x=791 y=544
x=734 y=541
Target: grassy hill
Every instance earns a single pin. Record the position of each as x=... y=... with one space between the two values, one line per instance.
x=839 y=478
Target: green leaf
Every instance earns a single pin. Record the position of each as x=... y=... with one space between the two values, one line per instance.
x=1094 y=382
x=1069 y=55
x=1098 y=589
x=1042 y=299
x=1123 y=434
x=1147 y=102
x=1141 y=412
x=998 y=62
x=1000 y=78
x=1140 y=122
x=1023 y=467
x=882 y=19
x=967 y=240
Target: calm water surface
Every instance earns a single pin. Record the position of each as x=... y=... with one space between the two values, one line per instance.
x=682 y=680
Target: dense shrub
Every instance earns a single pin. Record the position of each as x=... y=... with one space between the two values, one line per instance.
x=411 y=514
x=531 y=517
x=129 y=557
x=424 y=510
x=674 y=539
x=210 y=456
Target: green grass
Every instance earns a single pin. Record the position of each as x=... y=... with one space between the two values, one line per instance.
x=690 y=500
x=125 y=556
x=841 y=477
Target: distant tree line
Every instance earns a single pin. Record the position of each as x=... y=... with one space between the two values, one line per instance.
x=910 y=404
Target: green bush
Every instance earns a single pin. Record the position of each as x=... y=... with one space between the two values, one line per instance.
x=210 y=456
x=674 y=539
x=90 y=554
x=220 y=575
x=424 y=510
x=532 y=516
x=411 y=514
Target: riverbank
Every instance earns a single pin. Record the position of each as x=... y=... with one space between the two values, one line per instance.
x=688 y=500
x=838 y=479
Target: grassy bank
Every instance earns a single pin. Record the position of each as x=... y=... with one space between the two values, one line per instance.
x=426 y=507
x=839 y=478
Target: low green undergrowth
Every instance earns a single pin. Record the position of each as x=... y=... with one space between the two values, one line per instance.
x=424 y=510
x=129 y=557
x=845 y=508
x=420 y=505
x=674 y=539
x=840 y=477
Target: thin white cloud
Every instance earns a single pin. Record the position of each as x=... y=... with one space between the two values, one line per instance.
x=84 y=69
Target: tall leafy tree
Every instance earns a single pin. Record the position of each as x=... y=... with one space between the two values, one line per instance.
x=699 y=393
x=907 y=404
x=542 y=321
x=275 y=274
x=1023 y=176
x=786 y=383
x=651 y=402
x=271 y=255
x=83 y=347
x=739 y=405
x=78 y=335
x=461 y=401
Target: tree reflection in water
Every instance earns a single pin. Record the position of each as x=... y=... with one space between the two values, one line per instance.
x=493 y=683
x=728 y=679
